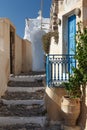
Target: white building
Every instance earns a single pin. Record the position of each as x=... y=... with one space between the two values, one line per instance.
x=34 y=30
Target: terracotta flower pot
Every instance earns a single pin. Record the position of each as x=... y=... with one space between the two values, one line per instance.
x=71 y=110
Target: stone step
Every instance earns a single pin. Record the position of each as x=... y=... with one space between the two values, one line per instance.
x=24 y=108
x=24 y=93
x=37 y=83
x=26 y=126
x=22 y=102
x=31 y=126
x=25 y=89
x=28 y=78
x=22 y=120
x=31 y=73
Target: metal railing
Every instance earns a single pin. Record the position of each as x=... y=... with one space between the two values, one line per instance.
x=59 y=68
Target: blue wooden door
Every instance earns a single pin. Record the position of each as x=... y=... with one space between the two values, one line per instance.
x=71 y=41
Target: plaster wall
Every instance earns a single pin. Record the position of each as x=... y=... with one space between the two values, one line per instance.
x=53 y=103
x=69 y=8
x=21 y=50
x=18 y=55
x=4 y=54
x=26 y=56
x=4 y=72
x=55 y=48
x=65 y=10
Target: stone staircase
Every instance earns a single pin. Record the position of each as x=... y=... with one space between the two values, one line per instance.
x=22 y=106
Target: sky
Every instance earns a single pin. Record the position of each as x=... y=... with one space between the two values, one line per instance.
x=18 y=10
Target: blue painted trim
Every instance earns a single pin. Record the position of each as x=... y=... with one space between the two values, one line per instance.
x=70 y=19
x=73 y=17
x=59 y=61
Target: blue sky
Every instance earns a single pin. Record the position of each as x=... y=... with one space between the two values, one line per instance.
x=18 y=10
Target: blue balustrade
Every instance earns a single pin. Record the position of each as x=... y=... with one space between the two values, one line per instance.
x=59 y=68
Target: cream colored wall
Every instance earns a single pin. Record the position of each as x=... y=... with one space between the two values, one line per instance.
x=22 y=53
x=53 y=103
x=18 y=54
x=4 y=71
x=66 y=9
x=4 y=55
x=55 y=48
x=27 y=56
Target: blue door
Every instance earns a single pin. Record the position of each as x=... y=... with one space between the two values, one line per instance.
x=71 y=41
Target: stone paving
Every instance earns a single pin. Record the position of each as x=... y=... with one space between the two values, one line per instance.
x=24 y=110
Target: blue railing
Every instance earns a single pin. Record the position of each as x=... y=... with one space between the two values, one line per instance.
x=58 y=68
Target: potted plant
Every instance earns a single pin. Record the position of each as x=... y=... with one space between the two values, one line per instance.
x=70 y=104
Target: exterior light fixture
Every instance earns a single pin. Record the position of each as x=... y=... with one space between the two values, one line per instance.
x=78 y=12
